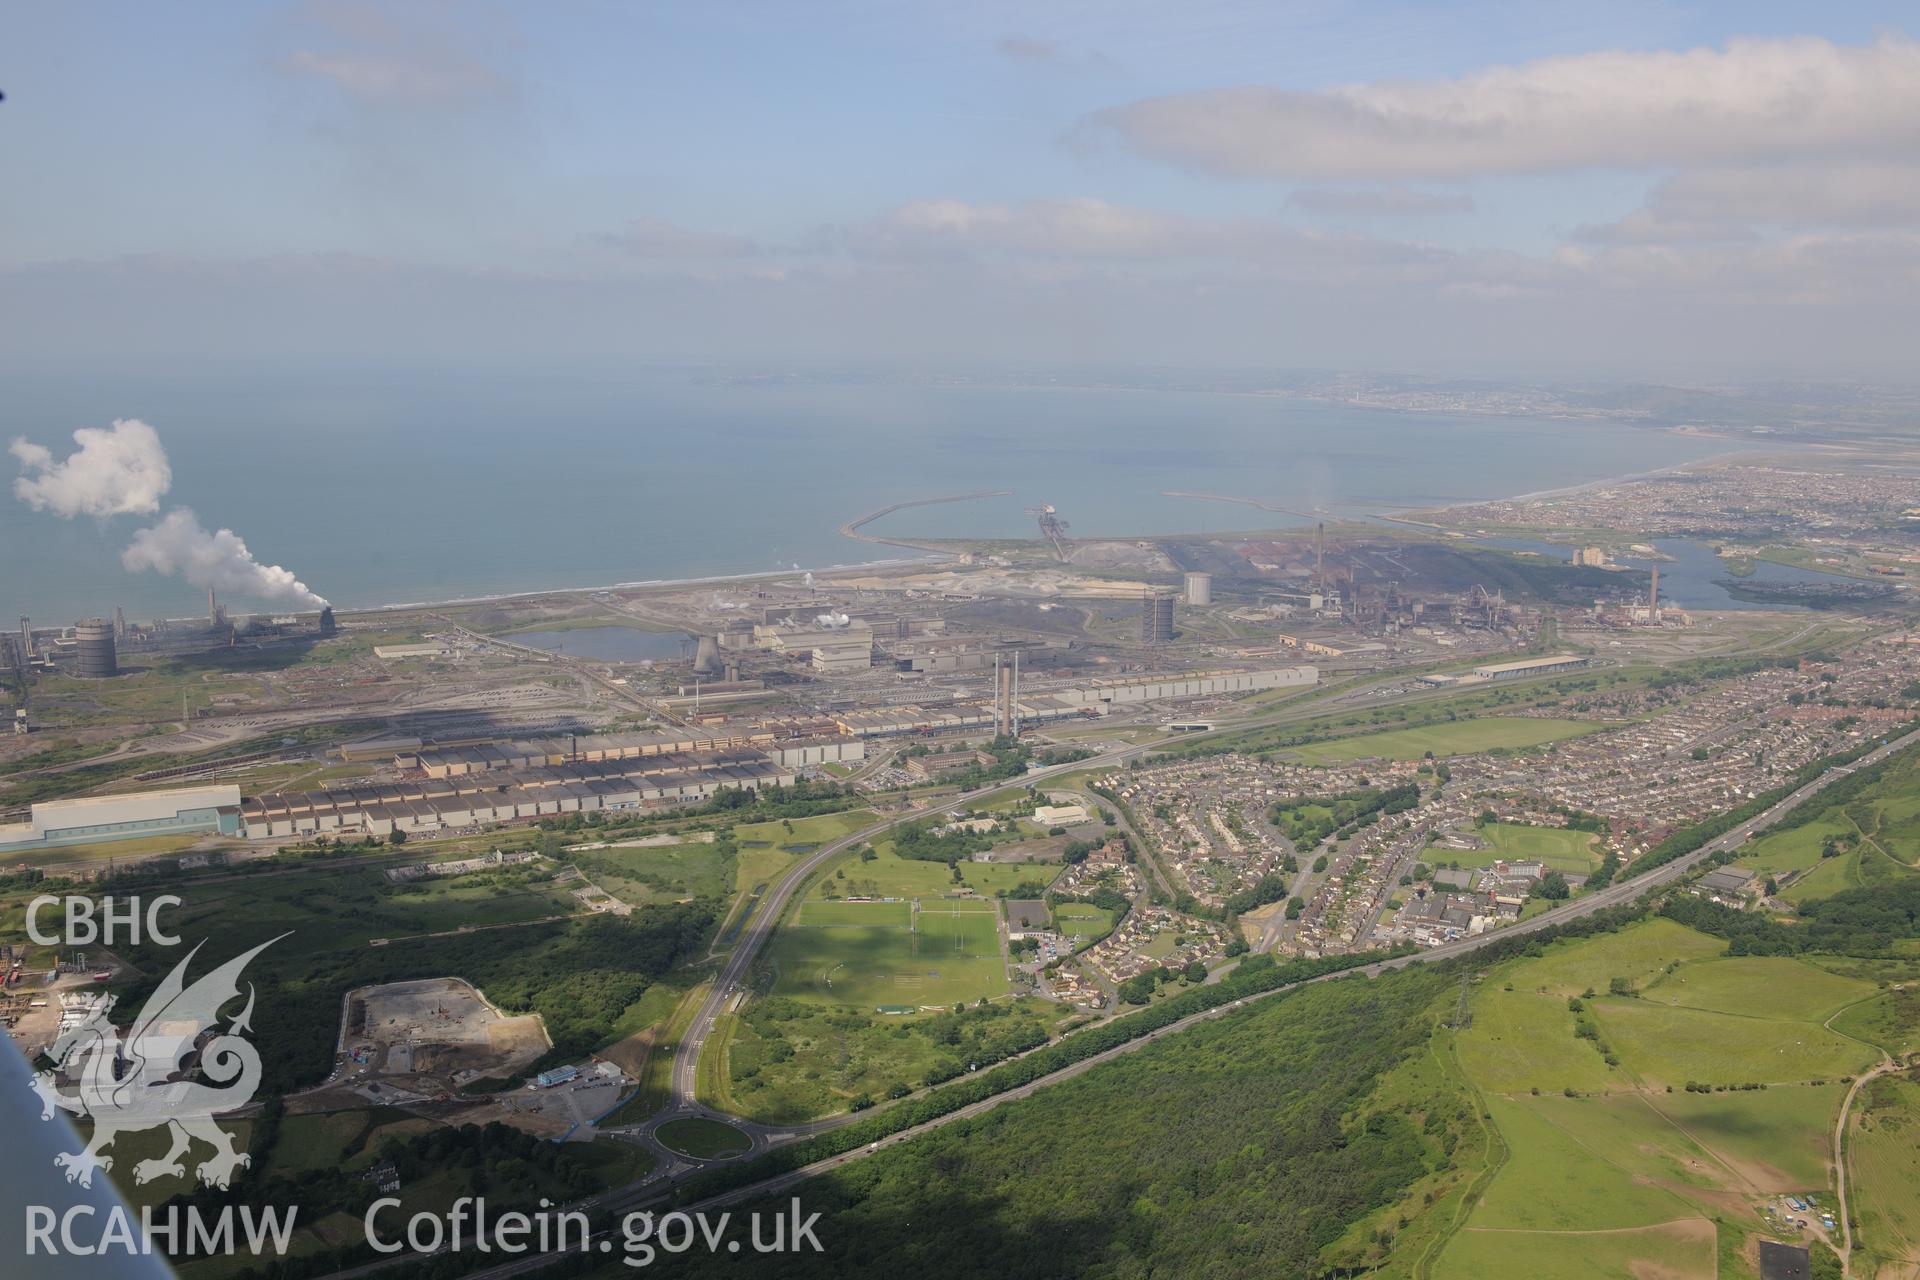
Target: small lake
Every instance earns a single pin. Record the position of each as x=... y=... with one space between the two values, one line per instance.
x=609 y=644
x=1692 y=578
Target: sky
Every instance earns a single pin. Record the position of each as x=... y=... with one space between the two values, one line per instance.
x=1482 y=188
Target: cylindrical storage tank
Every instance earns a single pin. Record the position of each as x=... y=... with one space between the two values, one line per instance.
x=1200 y=588
x=97 y=656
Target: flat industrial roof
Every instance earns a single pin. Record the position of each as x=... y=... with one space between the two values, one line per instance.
x=1524 y=663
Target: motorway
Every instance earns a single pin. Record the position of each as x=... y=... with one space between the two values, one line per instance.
x=1611 y=896
x=625 y=1199
x=766 y=916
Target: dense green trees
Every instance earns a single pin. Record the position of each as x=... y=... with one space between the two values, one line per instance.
x=579 y=975
x=1869 y=921
x=1307 y=822
x=1241 y=1146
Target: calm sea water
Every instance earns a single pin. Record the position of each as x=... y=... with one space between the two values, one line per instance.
x=394 y=491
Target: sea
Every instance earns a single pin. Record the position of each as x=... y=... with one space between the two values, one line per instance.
x=389 y=490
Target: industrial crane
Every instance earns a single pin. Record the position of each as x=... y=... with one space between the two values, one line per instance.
x=1052 y=528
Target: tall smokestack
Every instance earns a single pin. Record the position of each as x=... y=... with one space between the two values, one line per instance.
x=1319 y=553
x=213 y=609
x=1653 y=595
x=1013 y=702
x=1002 y=695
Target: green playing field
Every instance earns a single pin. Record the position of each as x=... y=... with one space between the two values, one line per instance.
x=868 y=954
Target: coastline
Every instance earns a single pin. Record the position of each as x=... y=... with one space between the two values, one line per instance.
x=1406 y=515
x=898 y=562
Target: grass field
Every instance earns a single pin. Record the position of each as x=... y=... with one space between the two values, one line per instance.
x=1458 y=737
x=868 y=915
x=1595 y=1178
x=659 y=873
x=1862 y=867
x=874 y=954
x=1890 y=1020
x=1883 y=1156
x=1082 y=919
x=701 y=1138
x=1684 y=1249
x=1778 y=1139
x=1666 y=1045
x=1770 y=986
x=1552 y=1182
x=767 y=849
x=1558 y=848
x=1797 y=849
x=1881 y=825
x=886 y=875
x=1523 y=1039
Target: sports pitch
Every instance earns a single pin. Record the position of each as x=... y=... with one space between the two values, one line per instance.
x=870 y=954
x=1560 y=849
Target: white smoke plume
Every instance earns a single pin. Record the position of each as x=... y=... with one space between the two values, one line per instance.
x=119 y=471
x=180 y=544
x=123 y=470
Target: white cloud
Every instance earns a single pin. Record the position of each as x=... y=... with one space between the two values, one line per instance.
x=1757 y=99
x=1379 y=201
x=121 y=470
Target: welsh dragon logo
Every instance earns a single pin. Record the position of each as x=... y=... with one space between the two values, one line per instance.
x=152 y=1075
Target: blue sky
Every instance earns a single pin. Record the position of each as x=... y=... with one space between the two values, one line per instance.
x=854 y=181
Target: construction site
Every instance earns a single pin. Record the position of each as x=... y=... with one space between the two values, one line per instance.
x=430 y=1038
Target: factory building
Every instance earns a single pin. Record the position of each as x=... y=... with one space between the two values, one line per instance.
x=834 y=654
x=531 y=753
x=1335 y=649
x=1062 y=704
x=1156 y=619
x=799 y=753
x=401 y=652
x=960 y=653
x=1531 y=666
x=504 y=795
x=880 y=722
x=1199 y=589
x=94 y=653
x=1199 y=684
x=133 y=816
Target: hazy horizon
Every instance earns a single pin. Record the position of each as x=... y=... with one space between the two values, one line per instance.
x=1641 y=191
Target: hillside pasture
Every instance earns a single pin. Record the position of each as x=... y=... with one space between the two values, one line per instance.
x=1759 y=986
x=1670 y=1045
